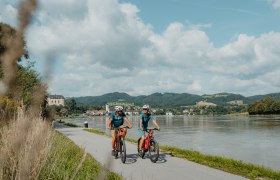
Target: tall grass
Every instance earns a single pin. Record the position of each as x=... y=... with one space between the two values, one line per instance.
x=67 y=161
x=24 y=147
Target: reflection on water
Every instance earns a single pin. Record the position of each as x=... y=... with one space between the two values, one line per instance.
x=252 y=139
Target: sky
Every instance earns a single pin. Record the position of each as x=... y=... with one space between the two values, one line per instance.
x=93 y=47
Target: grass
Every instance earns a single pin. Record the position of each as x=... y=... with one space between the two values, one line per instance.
x=24 y=146
x=95 y=131
x=248 y=170
x=71 y=124
x=239 y=114
x=64 y=160
x=68 y=124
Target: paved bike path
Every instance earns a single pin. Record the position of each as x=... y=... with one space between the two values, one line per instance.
x=135 y=168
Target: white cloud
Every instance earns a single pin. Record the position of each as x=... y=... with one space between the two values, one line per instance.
x=274 y=3
x=104 y=46
x=8 y=14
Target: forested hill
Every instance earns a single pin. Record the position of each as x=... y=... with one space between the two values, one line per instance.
x=169 y=99
x=253 y=99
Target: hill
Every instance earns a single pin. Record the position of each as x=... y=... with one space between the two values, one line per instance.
x=155 y=100
x=170 y=99
x=253 y=99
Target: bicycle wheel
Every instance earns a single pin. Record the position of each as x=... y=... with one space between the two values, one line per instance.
x=123 y=150
x=153 y=151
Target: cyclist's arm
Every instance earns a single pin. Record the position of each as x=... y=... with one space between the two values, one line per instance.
x=128 y=122
x=141 y=125
x=155 y=123
x=109 y=120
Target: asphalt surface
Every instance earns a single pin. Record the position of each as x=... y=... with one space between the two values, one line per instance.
x=167 y=167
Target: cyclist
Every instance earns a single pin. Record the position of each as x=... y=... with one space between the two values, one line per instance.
x=116 y=120
x=145 y=117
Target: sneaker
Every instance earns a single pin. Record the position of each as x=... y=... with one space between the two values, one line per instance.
x=113 y=152
x=140 y=152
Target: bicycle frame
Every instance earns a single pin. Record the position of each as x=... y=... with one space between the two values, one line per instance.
x=150 y=144
x=120 y=144
x=148 y=138
x=119 y=136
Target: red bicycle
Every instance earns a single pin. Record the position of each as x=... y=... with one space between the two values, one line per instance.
x=150 y=144
x=120 y=144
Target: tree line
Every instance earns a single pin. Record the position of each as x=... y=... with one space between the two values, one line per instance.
x=267 y=105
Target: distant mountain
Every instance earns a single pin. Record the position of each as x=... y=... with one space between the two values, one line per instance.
x=169 y=99
x=222 y=98
x=155 y=100
x=253 y=99
x=103 y=99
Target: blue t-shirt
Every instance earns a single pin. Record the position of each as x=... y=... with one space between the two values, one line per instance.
x=145 y=120
x=116 y=119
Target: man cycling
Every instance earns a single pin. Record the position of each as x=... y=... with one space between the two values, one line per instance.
x=116 y=120
x=145 y=117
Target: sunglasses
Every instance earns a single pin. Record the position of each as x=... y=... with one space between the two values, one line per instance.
x=145 y=109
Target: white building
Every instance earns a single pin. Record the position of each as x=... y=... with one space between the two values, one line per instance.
x=236 y=102
x=56 y=100
x=169 y=114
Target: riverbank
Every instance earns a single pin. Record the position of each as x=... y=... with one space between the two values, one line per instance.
x=248 y=170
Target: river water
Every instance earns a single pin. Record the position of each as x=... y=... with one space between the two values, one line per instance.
x=253 y=139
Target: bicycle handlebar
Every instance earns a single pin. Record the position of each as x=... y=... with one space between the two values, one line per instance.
x=151 y=129
x=123 y=127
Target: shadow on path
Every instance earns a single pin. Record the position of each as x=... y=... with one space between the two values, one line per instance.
x=131 y=158
x=161 y=158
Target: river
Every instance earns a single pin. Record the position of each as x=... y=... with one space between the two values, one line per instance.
x=253 y=139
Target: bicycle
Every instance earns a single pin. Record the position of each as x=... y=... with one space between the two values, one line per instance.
x=150 y=144
x=120 y=144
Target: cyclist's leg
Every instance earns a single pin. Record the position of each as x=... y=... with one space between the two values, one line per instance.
x=113 y=132
x=142 y=135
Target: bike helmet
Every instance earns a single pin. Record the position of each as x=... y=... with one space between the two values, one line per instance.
x=118 y=108
x=146 y=106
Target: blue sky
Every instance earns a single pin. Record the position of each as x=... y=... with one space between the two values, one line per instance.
x=226 y=18
x=93 y=47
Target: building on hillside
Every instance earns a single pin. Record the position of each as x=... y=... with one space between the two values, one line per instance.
x=131 y=112
x=204 y=104
x=169 y=114
x=57 y=100
x=236 y=102
x=110 y=106
x=100 y=112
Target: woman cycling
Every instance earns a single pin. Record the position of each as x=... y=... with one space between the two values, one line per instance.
x=116 y=120
x=145 y=117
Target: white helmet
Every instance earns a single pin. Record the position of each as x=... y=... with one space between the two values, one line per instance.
x=146 y=106
x=118 y=108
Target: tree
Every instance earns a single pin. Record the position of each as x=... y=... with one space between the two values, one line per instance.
x=265 y=106
x=26 y=81
x=71 y=105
